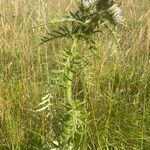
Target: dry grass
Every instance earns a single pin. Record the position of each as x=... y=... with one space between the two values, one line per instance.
x=121 y=76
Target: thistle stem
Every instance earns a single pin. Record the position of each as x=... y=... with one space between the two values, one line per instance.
x=70 y=74
x=69 y=88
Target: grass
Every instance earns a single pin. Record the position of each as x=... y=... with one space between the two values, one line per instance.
x=117 y=101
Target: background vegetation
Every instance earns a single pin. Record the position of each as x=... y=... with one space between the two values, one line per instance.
x=118 y=100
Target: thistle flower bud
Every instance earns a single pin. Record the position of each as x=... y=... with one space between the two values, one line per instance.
x=116 y=13
x=87 y=3
x=110 y=7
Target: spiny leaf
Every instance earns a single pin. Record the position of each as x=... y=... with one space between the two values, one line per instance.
x=46 y=97
x=43 y=108
x=72 y=14
x=64 y=29
x=55 y=79
x=62 y=63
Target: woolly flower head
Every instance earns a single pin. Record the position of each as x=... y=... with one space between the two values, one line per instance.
x=87 y=3
x=116 y=13
x=110 y=7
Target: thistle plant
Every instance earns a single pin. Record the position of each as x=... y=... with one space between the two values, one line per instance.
x=79 y=27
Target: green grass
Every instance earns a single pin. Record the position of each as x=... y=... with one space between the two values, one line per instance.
x=118 y=100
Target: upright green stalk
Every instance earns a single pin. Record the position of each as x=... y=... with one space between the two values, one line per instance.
x=81 y=25
x=69 y=87
x=69 y=74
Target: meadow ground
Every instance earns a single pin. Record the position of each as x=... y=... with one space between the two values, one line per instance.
x=118 y=100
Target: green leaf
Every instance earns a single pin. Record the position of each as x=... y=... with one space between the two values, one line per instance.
x=43 y=108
